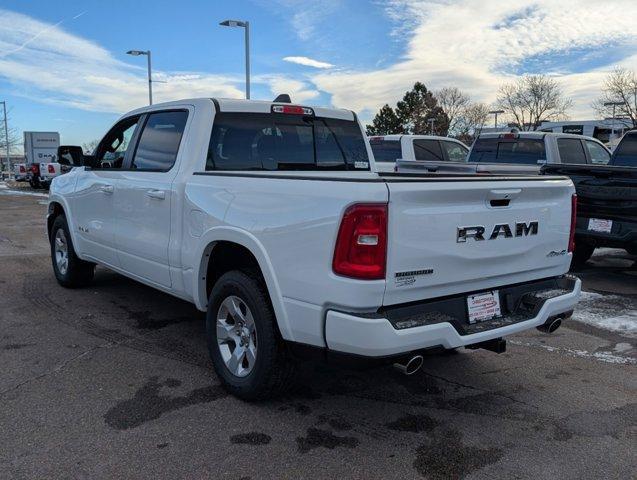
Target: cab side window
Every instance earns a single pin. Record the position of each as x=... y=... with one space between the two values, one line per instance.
x=571 y=150
x=111 y=151
x=599 y=155
x=428 y=150
x=159 y=141
x=455 y=151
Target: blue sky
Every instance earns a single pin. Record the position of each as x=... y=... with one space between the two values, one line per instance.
x=63 y=65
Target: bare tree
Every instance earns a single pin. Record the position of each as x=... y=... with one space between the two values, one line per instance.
x=455 y=103
x=14 y=141
x=532 y=99
x=470 y=124
x=620 y=86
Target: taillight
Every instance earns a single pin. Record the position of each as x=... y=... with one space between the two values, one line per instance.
x=361 y=245
x=22 y=169
x=51 y=168
x=571 y=239
x=35 y=168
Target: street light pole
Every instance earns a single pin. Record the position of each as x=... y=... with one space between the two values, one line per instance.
x=613 y=104
x=431 y=123
x=247 y=30
x=136 y=53
x=495 y=121
x=6 y=136
x=246 y=26
x=150 y=81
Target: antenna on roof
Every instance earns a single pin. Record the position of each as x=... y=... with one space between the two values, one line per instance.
x=283 y=98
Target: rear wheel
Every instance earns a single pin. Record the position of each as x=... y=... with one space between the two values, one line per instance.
x=70 y=271
x=247 y=352
x=582 y=254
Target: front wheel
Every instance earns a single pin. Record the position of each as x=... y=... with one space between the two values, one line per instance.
x=70 y=271
x=244 y=344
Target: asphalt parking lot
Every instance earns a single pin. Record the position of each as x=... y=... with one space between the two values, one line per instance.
x=114 y=381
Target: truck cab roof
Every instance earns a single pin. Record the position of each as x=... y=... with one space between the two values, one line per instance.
x=246 y=106
x=534 y=134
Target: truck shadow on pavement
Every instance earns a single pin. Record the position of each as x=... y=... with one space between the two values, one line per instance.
x=458 y=415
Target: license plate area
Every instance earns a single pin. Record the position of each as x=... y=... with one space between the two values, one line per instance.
x=484 y=306
x=600 y=225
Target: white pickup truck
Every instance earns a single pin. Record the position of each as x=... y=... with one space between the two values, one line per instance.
x=527 y=152
x=429 y=150
x=270 y=217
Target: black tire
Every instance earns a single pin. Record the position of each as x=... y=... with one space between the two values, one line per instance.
x=77 y=273
x=273 y=370
x=35 y=183
x=582 y=254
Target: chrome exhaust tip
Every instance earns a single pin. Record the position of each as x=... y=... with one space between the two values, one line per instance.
x=551 y=325
x=411 y=366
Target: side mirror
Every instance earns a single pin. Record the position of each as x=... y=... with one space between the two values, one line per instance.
x=73 y=156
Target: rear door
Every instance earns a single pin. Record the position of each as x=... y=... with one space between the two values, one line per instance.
x=454 y=235
x=143 y=207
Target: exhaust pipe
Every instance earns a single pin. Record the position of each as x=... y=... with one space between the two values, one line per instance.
x=551 y=325
x=411 y=366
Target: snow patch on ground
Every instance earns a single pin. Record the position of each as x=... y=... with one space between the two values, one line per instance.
x=5 y=190
x=609 y=312
x=603 y=356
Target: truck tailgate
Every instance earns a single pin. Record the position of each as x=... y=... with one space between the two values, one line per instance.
x=455 y=235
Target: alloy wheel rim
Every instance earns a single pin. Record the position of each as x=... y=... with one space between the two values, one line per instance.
x=61 y=249
x=236 y=336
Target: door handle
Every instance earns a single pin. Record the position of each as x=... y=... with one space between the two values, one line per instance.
x=109 y=189
x=156 y=194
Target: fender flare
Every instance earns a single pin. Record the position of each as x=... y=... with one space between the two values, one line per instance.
x=53 y=198
x=254 y=246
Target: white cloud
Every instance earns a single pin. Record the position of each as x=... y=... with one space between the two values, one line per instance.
x=308 y=62
x=479 y=44
x=44 y=62
x=299 y=91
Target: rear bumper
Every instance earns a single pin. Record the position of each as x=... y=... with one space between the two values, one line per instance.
x=377 y=337
x=622 y=235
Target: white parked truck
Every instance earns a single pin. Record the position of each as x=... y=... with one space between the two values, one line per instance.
x=40 y=150
x=270 y=217
x=527 y=152
x=431 y=151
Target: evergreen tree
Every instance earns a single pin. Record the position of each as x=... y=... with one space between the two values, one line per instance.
x=417 y=108
x=385 y=122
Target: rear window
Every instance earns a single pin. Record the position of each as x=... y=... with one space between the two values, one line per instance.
x=260 y=141
x=385 y=150
x=527 y=151
x=625 y=154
